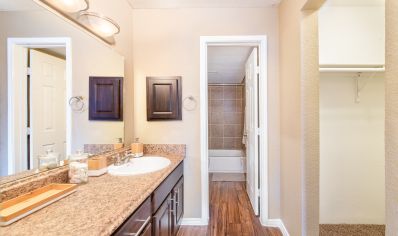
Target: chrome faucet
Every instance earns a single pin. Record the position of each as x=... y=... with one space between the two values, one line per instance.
x=117 y=160
x=120 y=160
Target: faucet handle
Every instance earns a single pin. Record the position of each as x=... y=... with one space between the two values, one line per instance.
x=116 y=159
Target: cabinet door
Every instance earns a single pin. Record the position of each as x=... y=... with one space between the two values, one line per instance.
x=106 y=98
x=163 y=219
x=164 y=98
x=178 y=204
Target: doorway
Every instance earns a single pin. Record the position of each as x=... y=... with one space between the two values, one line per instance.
x=39 y=82
x=255 y=84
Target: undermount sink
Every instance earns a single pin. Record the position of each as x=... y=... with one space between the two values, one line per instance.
x=139 y=166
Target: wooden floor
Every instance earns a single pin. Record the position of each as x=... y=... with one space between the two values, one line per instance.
x=230 y=214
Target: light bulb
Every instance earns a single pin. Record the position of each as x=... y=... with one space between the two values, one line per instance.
x=70 y=6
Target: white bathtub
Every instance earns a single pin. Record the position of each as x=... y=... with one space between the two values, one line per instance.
x=227 y=161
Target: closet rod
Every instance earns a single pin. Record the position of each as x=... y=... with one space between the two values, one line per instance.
x=352 y=68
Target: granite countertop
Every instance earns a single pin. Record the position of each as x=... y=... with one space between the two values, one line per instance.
x=96 y=208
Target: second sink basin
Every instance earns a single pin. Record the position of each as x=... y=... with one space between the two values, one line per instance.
x=139 y=166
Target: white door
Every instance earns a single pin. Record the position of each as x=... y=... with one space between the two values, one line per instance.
x=47 y=105
x=19 y=94
x=251 y=110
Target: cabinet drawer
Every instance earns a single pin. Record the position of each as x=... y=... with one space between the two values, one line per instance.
x=166 y=187
x=136 y=224
x=147 y=231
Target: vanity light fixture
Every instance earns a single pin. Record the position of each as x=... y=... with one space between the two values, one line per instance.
x=76 y=11
x=69 y=6
x=101 y=25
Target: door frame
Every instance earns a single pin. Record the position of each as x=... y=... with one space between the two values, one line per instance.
x=12 y=107
x=249 y=40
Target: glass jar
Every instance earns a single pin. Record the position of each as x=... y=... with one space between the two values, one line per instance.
x=78 y=168
x=48 y=161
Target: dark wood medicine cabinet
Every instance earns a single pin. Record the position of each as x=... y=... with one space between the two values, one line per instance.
x=163 y=98
x=106 y=98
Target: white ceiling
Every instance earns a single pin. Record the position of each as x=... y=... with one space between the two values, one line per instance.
x=18 y=5
x=142 y=4
x=226 y=64
x=355 y=3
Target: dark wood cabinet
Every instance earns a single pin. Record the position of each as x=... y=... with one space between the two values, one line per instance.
x=106 y=98
x=166 y=187
x=138 y=222
x=164 y=98
x=178 y=204
x=163 y=219
x=161 y=213
x=168 y=217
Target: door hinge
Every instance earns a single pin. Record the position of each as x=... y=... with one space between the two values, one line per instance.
x=28 y=131
x=258 y=131
x=258 y=194
x=28 y=71
x=257 y=70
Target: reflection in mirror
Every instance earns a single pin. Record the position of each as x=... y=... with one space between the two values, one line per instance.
x=38 y=95
x=44 y=109
x=79 y=12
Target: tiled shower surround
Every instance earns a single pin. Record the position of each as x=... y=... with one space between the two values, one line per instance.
x=226 y=106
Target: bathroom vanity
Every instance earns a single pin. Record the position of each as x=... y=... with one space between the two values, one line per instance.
x=161 y=212
x=146 y=204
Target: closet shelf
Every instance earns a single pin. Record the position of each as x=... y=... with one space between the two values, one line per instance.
x=351 y=68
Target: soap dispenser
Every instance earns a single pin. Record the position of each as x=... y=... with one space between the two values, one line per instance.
x=137 y=148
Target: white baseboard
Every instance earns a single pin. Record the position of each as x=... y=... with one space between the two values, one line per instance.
x=269 y=223
x=193 y=221
x=277 y=223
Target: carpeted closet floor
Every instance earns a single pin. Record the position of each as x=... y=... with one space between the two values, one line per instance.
x=351 y=230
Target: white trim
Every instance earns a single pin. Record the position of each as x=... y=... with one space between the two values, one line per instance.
x=276 y=223
x=261 y=42
x=193 y=221
x=37 y=43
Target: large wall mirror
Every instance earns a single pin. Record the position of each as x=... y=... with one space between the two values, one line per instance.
x=45 y=65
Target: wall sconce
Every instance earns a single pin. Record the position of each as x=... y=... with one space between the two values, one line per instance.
x=76 y=10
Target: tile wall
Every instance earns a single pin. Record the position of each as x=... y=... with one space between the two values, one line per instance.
x=226 y=106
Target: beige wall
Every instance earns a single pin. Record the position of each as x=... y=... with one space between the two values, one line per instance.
x=89 y=57
x=310 y=122
x=352 y=35
x=352 y=138
x=290 y=95
x=391 y=137
x=121 y=12
x=166 y=42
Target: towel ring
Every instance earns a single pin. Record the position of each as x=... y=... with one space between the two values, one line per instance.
x=189 y=103
x=77 y=103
